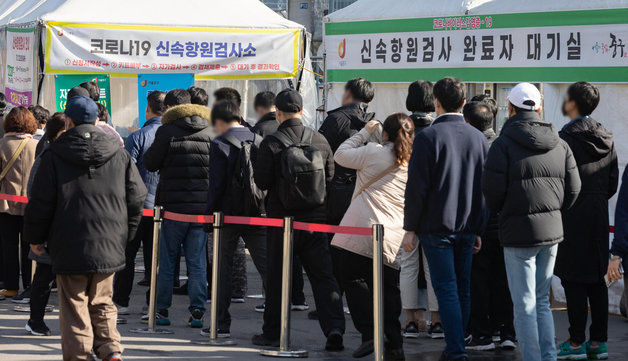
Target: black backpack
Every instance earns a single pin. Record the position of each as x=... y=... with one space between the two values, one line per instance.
x=246 y=199
x=302 y=181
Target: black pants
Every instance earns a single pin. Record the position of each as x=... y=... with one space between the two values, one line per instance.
x=10 y=231
x=123 y=283
x=313 y=251
x=40 y=291
x=491 y=305
x=255 y=241
x=579 y=297
x=357 y=281
x=298 y=297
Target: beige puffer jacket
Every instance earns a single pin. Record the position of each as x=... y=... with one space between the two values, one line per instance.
x=16 y=180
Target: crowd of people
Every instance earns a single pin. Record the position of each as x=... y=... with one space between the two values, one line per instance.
x=476 y=223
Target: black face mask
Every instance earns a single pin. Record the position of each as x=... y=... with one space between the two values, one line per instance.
x=563 y=108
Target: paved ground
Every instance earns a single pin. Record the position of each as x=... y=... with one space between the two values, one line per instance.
x=16 y=344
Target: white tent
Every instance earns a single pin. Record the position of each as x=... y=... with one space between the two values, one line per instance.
x=233 y=14
x=390 y=95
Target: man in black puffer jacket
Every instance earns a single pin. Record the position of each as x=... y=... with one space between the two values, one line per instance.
x=530 y=177
x=86 y=202
x=180 y=153
x=582 y=258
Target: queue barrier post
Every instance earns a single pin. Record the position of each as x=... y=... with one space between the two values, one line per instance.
x=286 y=289
x=219 y=221
x=157 y=219
x=378 y=298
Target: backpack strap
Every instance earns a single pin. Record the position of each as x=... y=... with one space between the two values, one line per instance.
x=306 y=137
x=16 y=155
x=233 y=140
x=283 y=139
x=375 y=179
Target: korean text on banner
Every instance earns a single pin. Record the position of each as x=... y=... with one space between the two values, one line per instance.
x=63 y=84
x=147 y=83
x=20 y=71
x=210 y=53
x=562 y=46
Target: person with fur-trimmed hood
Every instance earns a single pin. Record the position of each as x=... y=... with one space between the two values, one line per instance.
x=180 y=153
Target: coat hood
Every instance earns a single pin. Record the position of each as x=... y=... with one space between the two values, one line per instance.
x=595 y=139
x=357 y=112
x=188 y=116
x=527 y=129
x=85 y=145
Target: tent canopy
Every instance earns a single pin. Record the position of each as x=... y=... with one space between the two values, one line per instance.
x=191 y=13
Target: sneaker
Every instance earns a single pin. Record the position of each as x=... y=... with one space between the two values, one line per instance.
x=196 y=319
x=596 y=353
x=436 y=331
x=303 y=307
x=260 y=308
x=23 y=298
x=8 y=293
x=261 y=340
x=237 y=300
x=144 y=283
x=37 y=329
x=116 y=356
x=123 y=311
x=161 y=318
x=567 y=352
x=497 y=336
x=508 y=343
x=219 y=333
x=411 y=330
x=334 y=341
x=483 y=343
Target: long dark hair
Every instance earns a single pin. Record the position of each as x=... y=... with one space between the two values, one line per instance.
x=400 y=130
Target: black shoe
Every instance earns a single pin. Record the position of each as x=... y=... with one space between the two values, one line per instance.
x=411 y=330
x=144 y=283
x=219 y=333
x=183 y=290
x=260 y=308
x=37 y=329
x=334 y=341
x=23 y=298
x=482 y=343
x=394 y=355
x=444 y=357
x=312 y=315
x=261 y=340
x=365 y=349
x=436 y=331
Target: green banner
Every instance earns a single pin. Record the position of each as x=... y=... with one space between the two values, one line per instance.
x=63 y=84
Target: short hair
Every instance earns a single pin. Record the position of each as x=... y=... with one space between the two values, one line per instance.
x=420 y=97
x=265 y=100
x=3 y=102
x=228 y=94
x=103 y=114
x=198 y=96
x=450 y=93
x=360 y=89
x=521 y=110
x=78 y=91
x=488 y=100
x=40 y=113
x=20 y=120
x=585 y=95
x=227 y=111
x=479 y=115
x=55 y=125
x=93 y=88
x=155 y=102
x=177 y=97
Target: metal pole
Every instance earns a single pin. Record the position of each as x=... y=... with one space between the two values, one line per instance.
x=378 y=298
x=157 y=218
x=219 y=221
x=286 y=290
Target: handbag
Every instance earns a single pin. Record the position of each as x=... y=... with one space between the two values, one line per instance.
x=375 y=179
x=11 y=161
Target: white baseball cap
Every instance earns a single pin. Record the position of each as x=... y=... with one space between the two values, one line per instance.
x=525 y=96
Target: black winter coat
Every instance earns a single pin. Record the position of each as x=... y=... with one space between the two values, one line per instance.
x=421 y=121
x=530 y=176
x=180 y=153
x=583 y=255
x=267 y=170
x=86 y=202
x=267 y=125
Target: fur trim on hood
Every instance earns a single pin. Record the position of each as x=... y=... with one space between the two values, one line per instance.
x=184 y=111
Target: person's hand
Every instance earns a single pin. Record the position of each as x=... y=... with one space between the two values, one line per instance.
x=408 y=242
x=613 y=272
x=478 y=244
x=372 y=126
x=38 y=249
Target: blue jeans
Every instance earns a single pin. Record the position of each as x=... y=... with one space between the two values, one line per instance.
x=529 y=278
x=194 y=241
x=449 y=259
